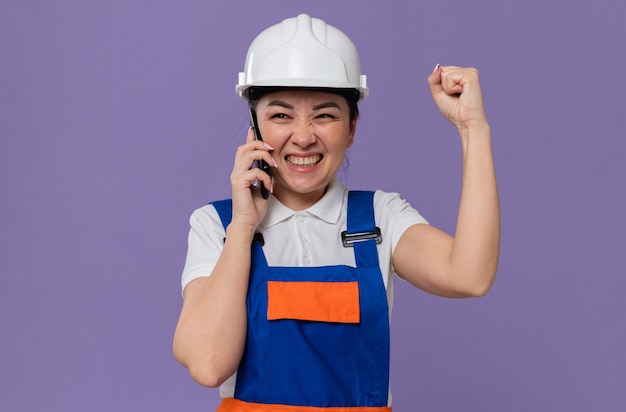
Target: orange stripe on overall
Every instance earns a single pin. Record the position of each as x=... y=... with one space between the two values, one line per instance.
x=234 y=405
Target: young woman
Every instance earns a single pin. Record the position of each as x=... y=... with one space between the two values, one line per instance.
x=286 y=296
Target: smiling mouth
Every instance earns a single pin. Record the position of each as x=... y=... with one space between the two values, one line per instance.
x=304 y=161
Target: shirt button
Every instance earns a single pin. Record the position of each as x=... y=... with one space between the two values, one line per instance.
x=300 y=218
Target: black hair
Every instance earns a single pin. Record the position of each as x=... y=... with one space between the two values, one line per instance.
x=351 y=95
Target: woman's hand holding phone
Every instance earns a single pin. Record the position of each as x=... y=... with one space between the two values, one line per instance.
x=249 y=204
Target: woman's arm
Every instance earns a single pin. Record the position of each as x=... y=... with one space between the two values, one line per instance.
x=210 y=334
x=211 y=331
x=466 y=264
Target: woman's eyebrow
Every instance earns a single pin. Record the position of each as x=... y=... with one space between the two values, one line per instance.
x=326 y=105
x=320 y=106
x=281 y=104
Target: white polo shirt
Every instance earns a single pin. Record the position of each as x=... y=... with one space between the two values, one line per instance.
x=310 y=237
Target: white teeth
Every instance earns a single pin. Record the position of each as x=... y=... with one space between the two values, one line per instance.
x=304 y=161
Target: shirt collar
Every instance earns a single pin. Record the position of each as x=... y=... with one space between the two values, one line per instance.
x=328 y=208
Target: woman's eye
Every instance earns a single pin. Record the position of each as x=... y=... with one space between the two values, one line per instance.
x=280 y=116
x=325 y=116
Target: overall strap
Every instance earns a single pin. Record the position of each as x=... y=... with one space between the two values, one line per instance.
x=224 y=210
x=365 y=235
x=362 y=233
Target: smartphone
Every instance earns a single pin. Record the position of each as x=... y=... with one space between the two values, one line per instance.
x=261 y=164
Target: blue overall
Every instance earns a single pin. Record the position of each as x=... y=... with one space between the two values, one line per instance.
x=315 y=363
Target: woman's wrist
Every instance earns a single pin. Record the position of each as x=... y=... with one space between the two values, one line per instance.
x=236 y=232
x=476 y=127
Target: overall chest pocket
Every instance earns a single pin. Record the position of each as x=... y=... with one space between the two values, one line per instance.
x=314 y=333
x=333 y=302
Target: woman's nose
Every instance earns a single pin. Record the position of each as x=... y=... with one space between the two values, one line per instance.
x=303 y=135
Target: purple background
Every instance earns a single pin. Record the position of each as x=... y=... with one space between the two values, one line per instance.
x=118 y=118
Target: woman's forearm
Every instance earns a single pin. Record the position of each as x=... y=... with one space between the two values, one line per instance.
x=210 y=335
x=475 y=253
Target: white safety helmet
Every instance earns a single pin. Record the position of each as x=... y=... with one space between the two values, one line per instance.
x=302 y=52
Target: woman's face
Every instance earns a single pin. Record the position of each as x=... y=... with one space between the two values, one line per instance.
x=310 y=132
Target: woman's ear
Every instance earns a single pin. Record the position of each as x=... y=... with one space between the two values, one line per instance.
x=352 y=130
